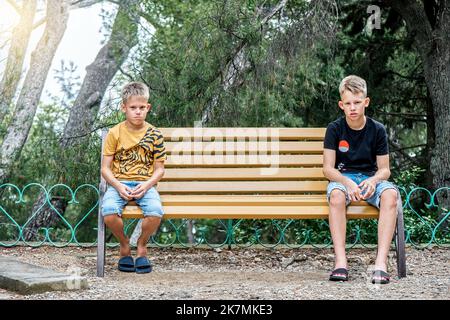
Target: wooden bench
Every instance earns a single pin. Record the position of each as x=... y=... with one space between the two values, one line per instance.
x=246 y=173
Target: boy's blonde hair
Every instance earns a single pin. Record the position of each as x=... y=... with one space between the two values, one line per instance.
x=135 y=89
x=354 y=84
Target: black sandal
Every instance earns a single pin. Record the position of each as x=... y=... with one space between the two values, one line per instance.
x=380 y=277
x=339 y=274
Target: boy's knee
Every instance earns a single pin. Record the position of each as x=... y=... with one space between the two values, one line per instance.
x=152 y=220
x=389 y=197
x=152 y=209
x=337 y=198
x=110 y=209
x=151 y=223
x=111 y=218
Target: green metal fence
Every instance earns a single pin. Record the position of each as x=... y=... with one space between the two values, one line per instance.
x=68 y=216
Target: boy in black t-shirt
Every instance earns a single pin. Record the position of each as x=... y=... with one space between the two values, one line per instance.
x=356 y=161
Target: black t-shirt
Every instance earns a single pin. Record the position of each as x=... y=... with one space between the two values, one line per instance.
x=356 y=150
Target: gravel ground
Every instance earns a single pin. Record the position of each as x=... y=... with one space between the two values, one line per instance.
x=279 y=274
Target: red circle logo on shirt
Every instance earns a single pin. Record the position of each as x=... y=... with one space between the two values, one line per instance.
x=343 y=146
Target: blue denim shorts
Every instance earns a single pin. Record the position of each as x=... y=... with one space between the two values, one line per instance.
x=150 y=203
x=374 y=200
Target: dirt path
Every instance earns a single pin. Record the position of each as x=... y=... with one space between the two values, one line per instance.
x=242 y=274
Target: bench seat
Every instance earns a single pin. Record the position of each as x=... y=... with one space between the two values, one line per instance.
x=250 y=207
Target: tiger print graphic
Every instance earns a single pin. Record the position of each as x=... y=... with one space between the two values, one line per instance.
x=136 y=162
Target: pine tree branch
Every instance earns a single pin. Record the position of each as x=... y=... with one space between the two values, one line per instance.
x=77 y=4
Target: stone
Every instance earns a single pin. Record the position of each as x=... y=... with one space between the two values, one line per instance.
x=25 y=278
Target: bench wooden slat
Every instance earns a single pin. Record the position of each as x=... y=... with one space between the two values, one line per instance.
x=243 y=174
x=226 y=147
x=247 y=200
x=177 y=134
x=208 y=187
x=244 y=200
x=254 y=212
x=235 y=161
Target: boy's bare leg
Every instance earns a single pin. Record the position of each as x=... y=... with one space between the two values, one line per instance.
x=149 y=227
x=386 y=227
x=338 y=226
x=115 y=224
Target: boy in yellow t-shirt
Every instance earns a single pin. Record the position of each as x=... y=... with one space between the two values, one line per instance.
x=133 y=163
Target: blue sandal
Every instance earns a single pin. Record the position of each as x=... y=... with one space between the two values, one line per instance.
x=143 y=265
x=126 y=264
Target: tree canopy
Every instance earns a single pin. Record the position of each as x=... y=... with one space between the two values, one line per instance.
x=239 y=63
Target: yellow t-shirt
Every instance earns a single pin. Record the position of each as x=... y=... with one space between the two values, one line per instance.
x=134 y=152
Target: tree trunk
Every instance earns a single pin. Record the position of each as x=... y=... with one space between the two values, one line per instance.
x=101 y=72
x=190 y=231
x=41 y=59
x=233 y=73
x=431 y=134
x=85 y=108
x=432 y=38
x=437 y=70
x=397 y=157
x=30 y=230
x=16 y=56
x=439 y=78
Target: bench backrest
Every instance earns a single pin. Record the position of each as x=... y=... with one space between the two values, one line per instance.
x=223 y=173
x=243 y=161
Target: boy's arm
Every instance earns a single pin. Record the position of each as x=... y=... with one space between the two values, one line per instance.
x=158 y=173
x=383 y=173
x=332 y=174
x=107 y=174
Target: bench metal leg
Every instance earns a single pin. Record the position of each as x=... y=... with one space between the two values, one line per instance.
x=101 y=246
x=101 y=234
x=400 y=240
x=230 y=232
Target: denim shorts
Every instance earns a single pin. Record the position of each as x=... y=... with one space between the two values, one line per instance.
x=374 y=200
x=150 y=203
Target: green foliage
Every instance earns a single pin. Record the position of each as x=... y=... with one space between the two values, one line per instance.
x=186 y=64
x=408 y=178
x=290 y=75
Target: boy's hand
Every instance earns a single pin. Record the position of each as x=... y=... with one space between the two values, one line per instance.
x=353 y=191
x=125 y=192
x=368 y=187
x=139 y=191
